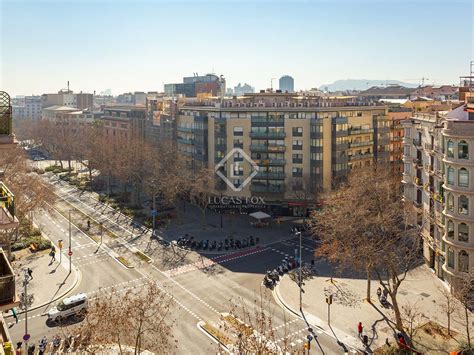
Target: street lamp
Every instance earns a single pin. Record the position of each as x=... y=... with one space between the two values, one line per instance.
x=300 y=280
x=70 y=243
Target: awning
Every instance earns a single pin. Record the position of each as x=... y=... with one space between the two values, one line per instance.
x=259 y=215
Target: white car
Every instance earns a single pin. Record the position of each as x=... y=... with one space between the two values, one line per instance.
x=74 y=305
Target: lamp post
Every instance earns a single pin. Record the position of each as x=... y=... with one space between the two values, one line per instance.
x=25 y=299
x=300 y=280
x=70 y=243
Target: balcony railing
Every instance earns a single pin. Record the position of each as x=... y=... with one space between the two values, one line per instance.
x=271 y=135
x=7 y=208
x=267 y=148
x=428 y=146
x=267 y=188
x=184 y=129
x=270 y=162
x=270 y=175
x=185 y=141
x=361 y=144
x=361 y=156
x=418 y=181
x=355 y=131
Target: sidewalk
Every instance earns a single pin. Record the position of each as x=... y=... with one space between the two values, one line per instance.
x=50 y=281
x=421 y=288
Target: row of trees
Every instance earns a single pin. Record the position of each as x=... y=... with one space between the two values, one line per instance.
x=28 y=189
x=138 y=166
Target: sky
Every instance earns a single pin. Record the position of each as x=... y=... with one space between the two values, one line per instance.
x=139 y=45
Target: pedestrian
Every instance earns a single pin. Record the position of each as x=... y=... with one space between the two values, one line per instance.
x=52 y=254
x=379 y=293
x=30 y=273
x=88 y=224
x=365 y=340
x=15 y=315
x=359 y=329
x=385 y=292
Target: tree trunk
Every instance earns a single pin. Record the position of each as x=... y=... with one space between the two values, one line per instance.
x=69 y=165
x=396 y=310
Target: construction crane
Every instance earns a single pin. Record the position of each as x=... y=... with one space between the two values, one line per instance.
x=419 y=80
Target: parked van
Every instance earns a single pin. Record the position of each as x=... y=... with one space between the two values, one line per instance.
x=74 y=305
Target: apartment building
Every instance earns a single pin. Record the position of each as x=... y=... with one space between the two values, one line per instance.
x=301 y=144
x=81 y=101
x=65 y=114
x=124 y=121
x=27 y=107
x=438 y=178
x=396 y=116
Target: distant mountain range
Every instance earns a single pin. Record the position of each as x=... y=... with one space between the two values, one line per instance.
x=362 y=84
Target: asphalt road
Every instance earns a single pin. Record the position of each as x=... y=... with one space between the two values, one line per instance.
x=202 y=287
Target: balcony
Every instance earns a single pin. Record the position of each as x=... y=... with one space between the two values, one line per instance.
x=361 y=144
x=185 y=141
x=429 y=146
x=361 y=156
x=418 y=181
x=360 y=131
x=268 y=135
x=397 y=138
x=270 y=175
x=275 y=162
x=418 y=162
x=8 y=297
x=184 y=129
x=267 y=148
x=417 y=143
x=7 y=209
x=267 y=188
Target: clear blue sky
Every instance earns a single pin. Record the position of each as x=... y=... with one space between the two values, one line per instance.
x=139 y=45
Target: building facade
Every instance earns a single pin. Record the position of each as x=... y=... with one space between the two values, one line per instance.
x=67 y=114
x=286 y=84
x=124 y=121
x=191 y=86
x=301 y=145
x=438 y=179
x=28 y=107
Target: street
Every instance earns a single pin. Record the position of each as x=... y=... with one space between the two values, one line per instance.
x=201 y=285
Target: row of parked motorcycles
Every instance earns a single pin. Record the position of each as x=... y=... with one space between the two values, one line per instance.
x=272 y=277
x=229 y=243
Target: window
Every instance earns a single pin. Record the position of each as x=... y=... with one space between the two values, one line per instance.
x=297 y=158
x=463 y=205
x=463 y=232
x=297 y=144
x=450 y=175
x=316 y=142
x=463 y=177
x=450 y=149
x=297 y=131
x=238 y=131
x=450 y=200
x=238 y=143
x=297 y=172
x=450 y=229
x=316 y=156
x=450 y=257
x=463 y=259
x=463 y=150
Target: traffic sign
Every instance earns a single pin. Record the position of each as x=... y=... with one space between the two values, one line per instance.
x=154 y=213
x=60 y=243
x=309 y=337
x=26 y=337
x=69 y=253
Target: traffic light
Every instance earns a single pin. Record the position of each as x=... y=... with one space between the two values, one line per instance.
x=307 y=345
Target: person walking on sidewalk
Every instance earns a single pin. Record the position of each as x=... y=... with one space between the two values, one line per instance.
x=14 y=314
x=30 y=273
x=379 y=293
x=52 y=254
x=360 y=328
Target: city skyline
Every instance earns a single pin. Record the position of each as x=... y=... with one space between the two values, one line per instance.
x=139 y=47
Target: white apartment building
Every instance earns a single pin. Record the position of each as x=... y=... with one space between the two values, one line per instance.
x=438 y=178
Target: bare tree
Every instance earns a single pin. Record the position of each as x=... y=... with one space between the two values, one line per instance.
x=449 y=306
x=254 y=326
x=140 y=320
x=464 y=292
x=364 y=226
x=28 y=188
x=413 y=317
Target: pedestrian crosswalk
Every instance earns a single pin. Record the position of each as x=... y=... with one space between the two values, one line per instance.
x=205 y=262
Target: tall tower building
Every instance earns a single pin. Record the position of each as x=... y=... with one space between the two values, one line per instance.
x=287 y=83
